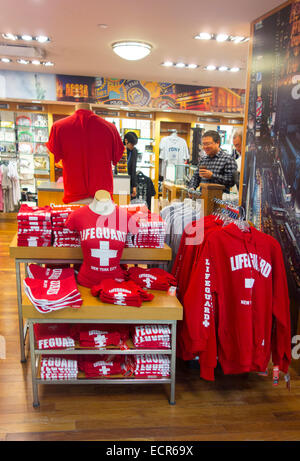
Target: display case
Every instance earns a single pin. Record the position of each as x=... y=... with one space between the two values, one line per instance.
x=23 y=137
x=177 y=174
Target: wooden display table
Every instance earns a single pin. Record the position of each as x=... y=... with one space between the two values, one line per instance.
x=208 y=193
x=163 y=309
x=172 y=191
x=56 y=255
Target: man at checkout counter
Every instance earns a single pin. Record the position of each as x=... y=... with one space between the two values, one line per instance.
x=214 y=165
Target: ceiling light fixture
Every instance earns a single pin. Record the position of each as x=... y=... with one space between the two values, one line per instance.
x=222 y=68
x=234 y=69
x=6 y=60
x=42 y=39
x=210 y=67
x=27 y=38
x=203 y=36
x=36 y=62
x=22 y=61
x=167 y=64
x=48 y=63
x=221 y=37
x=10 y=36
x=180 y=64
x=237 y=39
x=192 y=66
x=132 y=51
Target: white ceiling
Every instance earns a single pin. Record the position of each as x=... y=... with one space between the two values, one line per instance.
x=80 y=47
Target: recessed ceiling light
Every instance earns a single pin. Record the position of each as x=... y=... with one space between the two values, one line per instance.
x=132 y=51
x=103 y=26
x=26 y=37
x=192 y=66
x=5 y=60
x=10 y=36
x=23 y=61
x=48 y=63
x=204 y=36
x=167 y=64
x=180 y=64
x=36 y=62
x=210 y=67
x=42 y=39
x=234 y=69
x=237 y=39
x=222 y=68
x=221 y=37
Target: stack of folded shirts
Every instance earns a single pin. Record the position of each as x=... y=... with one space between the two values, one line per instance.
x=101 y=336
x=53 y=336
x=151 y=336
x=63 y=237
x=151 y=366
x=58 y=368
x=34 y=226
x=43 y=273
x=151 y=231
x=101 y=365
x=52 y=290
x=121 y=293
x=152 y=278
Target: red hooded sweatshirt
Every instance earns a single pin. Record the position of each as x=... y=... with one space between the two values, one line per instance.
x=239 y=296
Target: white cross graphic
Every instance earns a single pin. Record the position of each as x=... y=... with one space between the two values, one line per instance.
x=206 y=323
x=104 y=253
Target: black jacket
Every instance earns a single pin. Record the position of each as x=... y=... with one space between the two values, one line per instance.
x=131 y=166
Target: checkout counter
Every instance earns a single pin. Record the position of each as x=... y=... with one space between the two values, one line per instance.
x=52 y=192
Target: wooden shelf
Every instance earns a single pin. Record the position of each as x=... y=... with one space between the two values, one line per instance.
x=162 y=307
x=71 y=253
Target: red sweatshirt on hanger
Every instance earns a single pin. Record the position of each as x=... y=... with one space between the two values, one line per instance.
x=239 y=293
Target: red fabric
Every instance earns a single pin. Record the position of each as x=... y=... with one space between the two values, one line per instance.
x=87 y=145
x=101 y=365
x=53 y=336
x=237 y=304
x=153 y=278
x=102 y=242
x=121 y=293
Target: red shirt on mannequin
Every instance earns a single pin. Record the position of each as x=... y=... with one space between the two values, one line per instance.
x=87 y=145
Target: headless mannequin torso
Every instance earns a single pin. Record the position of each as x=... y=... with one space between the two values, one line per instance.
x=102 y=203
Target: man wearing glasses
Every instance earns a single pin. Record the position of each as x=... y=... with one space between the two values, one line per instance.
x=214 y=165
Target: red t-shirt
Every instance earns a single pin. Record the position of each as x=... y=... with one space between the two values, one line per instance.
x=102 y=241
x=87 y=145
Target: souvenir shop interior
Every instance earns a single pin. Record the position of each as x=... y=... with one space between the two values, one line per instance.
x=149 y=242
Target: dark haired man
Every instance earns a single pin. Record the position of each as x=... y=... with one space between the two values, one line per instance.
x=214 y=165
x=130 y=140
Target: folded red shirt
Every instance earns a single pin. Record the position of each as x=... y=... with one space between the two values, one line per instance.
x=125 y=293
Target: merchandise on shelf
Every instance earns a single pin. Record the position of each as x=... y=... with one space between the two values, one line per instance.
x=22 y=138
x=151 y=366
x=151 y=231
x=152 y=278
x=151 y=336
x=125 y=293
x=52 y=289
x=58 y=368
x=63 y=237
x=34 y=226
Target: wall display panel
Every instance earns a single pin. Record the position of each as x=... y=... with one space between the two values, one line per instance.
x=27 y=85
x=271 y=167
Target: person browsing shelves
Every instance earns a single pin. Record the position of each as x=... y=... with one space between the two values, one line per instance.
x=214 y=165
x=130 y=140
